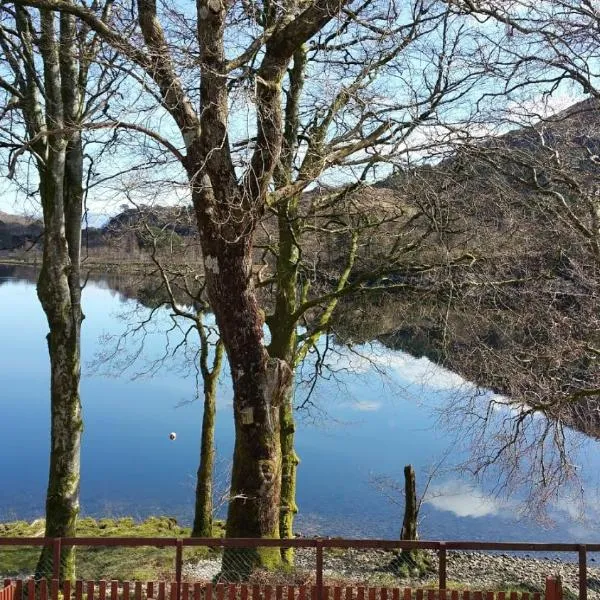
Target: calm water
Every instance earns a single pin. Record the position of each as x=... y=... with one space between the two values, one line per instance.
x=363 y=424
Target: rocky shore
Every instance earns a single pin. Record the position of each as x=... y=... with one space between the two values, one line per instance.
x=465 y=570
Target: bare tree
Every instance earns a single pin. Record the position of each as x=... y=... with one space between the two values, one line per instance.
x=521 y=322
x=176 y=285
x=45 y=78
x=209 y=371
x=335 y=241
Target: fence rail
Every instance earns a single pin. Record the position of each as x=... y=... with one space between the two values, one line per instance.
x=318 y=544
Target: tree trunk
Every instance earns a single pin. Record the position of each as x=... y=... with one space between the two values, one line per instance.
x=289 y=468
x=259 y=382
x=59 y=283
x=409 y=524
x=203 y=513
x=60 y=301
x=411 y=562
x=282 y=326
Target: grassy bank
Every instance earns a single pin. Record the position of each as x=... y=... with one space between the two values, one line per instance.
x=106 y=563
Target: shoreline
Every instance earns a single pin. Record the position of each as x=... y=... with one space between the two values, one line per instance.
x=91 y=265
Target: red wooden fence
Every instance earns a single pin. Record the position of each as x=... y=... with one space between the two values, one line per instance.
x=162 y=590
x=8 y=592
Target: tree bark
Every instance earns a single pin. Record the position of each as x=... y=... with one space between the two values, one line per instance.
x=203 y=512
x=409 y=524
x=62 y=308
x=411 y=562
x=282 y=326
x=289 y=470
x=59 y=290
x=259 y=382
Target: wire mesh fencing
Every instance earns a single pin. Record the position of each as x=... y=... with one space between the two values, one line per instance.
x=379 y=566
x=250 y=564
x=24 y=558
x=269 y=569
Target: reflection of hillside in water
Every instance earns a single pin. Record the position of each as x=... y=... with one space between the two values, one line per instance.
x=451 y=339
x=147 y=289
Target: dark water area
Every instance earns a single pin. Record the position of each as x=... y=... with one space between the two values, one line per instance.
x=376 y=413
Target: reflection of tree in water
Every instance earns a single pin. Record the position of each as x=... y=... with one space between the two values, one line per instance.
x=17 y=273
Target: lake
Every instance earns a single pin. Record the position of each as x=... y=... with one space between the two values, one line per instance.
x=375 y=413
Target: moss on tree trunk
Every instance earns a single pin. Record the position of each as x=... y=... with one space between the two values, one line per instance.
x=203 y=512
x=283 y=325
x=204 y=507
x=256 y=478
x=411 y=562
x=289 y=462
x=60 y=295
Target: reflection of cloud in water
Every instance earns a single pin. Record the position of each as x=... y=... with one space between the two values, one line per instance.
x=463 y=500
x=410 y=370
x=573 y=507
x=366 y=406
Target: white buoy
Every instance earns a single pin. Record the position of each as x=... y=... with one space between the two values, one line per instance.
x=172 y=435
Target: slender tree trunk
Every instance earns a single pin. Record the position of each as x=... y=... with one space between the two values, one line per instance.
x=282 y=326
x=409 y=524
x=59 y=284
x=289 y=469
x=61 y=304
x=203 y=512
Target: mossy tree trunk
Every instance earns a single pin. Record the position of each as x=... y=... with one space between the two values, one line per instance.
x=282 y=326
x=289 y=469
x=411 y=561
x=283 y=323
x=260 y=382
x=203 y=511
x=409 y=523
x=59 y=162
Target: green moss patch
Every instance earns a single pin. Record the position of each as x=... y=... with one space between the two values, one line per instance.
x=95 y=563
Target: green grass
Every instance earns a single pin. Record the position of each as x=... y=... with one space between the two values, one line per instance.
x=143 y=563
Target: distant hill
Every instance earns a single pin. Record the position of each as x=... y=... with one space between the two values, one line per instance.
x=17 y=232
x=131 y=231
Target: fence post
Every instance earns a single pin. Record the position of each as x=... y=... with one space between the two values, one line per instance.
x=442 y=566
x=319 y=548
x=56 y=552
x=178 y=566
x=554 y=588
x=582 y=573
